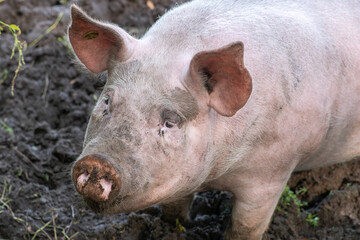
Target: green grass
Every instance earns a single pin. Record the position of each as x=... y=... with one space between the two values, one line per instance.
x=179 y=226
x=6 y=127
x=312 y=219
x=290 y=197
x=5 y=200
x=48 y=30
x=20 y=46
x=17 y=46
x=66 y=44
x=3 y=75
x=51 y=224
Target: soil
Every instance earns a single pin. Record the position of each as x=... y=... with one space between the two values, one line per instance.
x=41 y=133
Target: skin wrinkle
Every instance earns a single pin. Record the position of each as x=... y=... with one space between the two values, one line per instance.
x=285 y=88
x=295 y=70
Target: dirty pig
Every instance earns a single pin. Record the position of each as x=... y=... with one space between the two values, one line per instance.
x=228 y=95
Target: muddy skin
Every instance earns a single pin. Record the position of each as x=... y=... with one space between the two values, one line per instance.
x=183 y=107
x=48 y=133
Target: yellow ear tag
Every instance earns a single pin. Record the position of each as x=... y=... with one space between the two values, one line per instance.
x=91 y=35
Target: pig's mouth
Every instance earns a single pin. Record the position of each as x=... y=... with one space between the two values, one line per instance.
x=134 y=202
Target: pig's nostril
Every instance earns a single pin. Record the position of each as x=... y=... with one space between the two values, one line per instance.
x=106 y=185
x=95 y=178
x=82 y=179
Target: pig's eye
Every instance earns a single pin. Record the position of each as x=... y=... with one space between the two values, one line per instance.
x=166 y=124
x=170 y=118
x=169 y=124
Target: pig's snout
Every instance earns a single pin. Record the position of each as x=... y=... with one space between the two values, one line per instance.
x=95 y=178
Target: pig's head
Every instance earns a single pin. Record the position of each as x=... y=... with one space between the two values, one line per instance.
x=148 y=139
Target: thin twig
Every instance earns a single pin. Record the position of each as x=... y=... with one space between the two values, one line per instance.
x=4 y=191
x=46 y=85
x=52 y=27
x=42 y=229
x=11 y=212
x=72 y=220
x=30 y=162
x=54 y=224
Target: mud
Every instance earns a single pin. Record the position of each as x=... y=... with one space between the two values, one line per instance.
x=42 y=129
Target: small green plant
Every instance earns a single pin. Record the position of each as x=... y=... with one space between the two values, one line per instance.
x=21 y=46
x=6 y=127
x=46 y=177
x=179 y=226
x=17 y=45
x=3 y=76
x=289 y=196
x=20 y=172
x=5 y=200
x=66 y=44
x=312 y=219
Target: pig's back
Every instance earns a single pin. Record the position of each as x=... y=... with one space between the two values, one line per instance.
x=209 y=24
x=302 y=55
x=277 y=35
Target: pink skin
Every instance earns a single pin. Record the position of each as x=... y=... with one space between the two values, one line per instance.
x=275 y=102
x=106 y=185
x=82 y=179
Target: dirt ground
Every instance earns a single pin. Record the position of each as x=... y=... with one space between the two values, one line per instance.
x=41 y=133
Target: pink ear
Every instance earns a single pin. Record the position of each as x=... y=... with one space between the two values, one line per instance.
x=96 y=43
x=224 y=76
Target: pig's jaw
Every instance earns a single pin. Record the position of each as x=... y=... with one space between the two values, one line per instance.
x=137 y=201
x=151 y=196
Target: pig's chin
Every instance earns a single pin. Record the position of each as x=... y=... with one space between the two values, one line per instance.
x=137 y=201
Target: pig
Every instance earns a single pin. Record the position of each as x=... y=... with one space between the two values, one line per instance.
x=228 y=95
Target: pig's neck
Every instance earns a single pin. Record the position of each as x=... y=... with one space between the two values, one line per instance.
x=230 y=142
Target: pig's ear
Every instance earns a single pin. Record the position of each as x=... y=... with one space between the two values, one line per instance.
x=222 y=73
x=96 y=43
